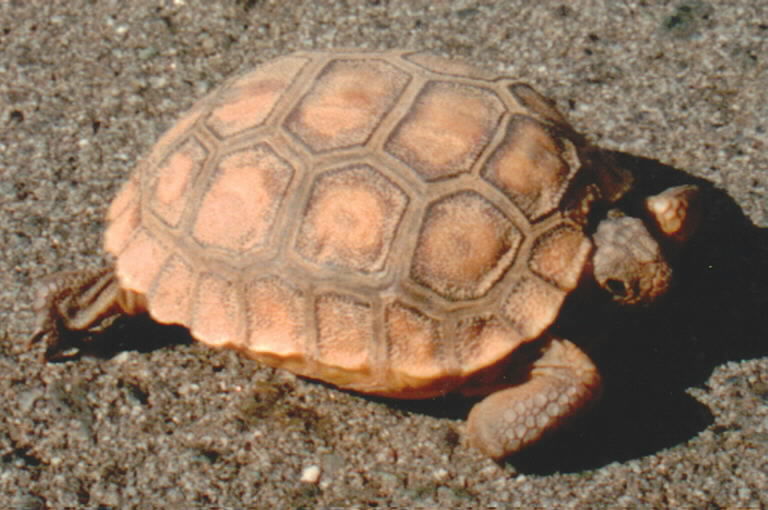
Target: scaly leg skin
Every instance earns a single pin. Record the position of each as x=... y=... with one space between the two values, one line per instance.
x=563 y=381
x=77 y=301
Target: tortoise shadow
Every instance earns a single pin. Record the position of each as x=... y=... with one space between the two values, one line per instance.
x=138 y=333
x=649 y=357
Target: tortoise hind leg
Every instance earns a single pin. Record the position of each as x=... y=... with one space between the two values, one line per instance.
x=78 y=302
x=562 y=382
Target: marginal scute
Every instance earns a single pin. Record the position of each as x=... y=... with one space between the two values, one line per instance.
x=140 y=261
x=351 y=219
x=446 y=129
x=529 y=168
x=277 y=322
x=344 y=333
x=346 y=103
x=170 y=297
x=123 y=226
x=559 y=255
x=465 y=245
x=173 y=177
x=416 y=353
x=531 y=305
x=185 y=123
x=127 y=197
x=449 y=66
x=482 y=341
x=240 y=206
x=218 y=318
x=248 y=101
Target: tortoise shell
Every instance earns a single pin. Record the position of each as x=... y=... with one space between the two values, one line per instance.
x=390 y=222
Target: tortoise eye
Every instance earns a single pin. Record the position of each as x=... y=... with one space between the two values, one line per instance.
x=617 y=287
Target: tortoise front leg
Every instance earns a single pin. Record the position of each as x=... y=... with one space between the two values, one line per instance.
x=79 y=301
x=562 y=382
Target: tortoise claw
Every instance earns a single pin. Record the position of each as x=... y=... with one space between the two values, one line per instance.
x=46 y=330
x=59 y=351
x=60 y=344
x=55 y=304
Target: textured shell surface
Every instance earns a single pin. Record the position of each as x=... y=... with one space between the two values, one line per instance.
x=389 y=222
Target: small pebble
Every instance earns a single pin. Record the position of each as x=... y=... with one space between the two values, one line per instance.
x=310 y=474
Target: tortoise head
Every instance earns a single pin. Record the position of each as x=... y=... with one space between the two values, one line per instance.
x=629 y=261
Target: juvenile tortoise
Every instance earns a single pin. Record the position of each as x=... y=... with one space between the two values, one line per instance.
x=390 y=222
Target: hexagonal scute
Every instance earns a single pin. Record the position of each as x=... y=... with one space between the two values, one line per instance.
x=351 y=219
x=465 y=246
x=123 y=216
x=346 y=103
x=529 y=168
x=239 y=207
x=248 y=101
x=172 y=178
x=447 y=128
x=559 y=255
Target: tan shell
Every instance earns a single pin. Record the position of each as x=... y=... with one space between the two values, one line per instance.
x=387 y=222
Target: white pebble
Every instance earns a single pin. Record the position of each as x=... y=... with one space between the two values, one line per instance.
x=440 y=474
x=310 y=474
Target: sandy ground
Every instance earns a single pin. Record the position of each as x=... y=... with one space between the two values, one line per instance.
x=159 y=421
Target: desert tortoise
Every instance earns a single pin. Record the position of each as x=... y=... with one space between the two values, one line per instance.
x=394 y=223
